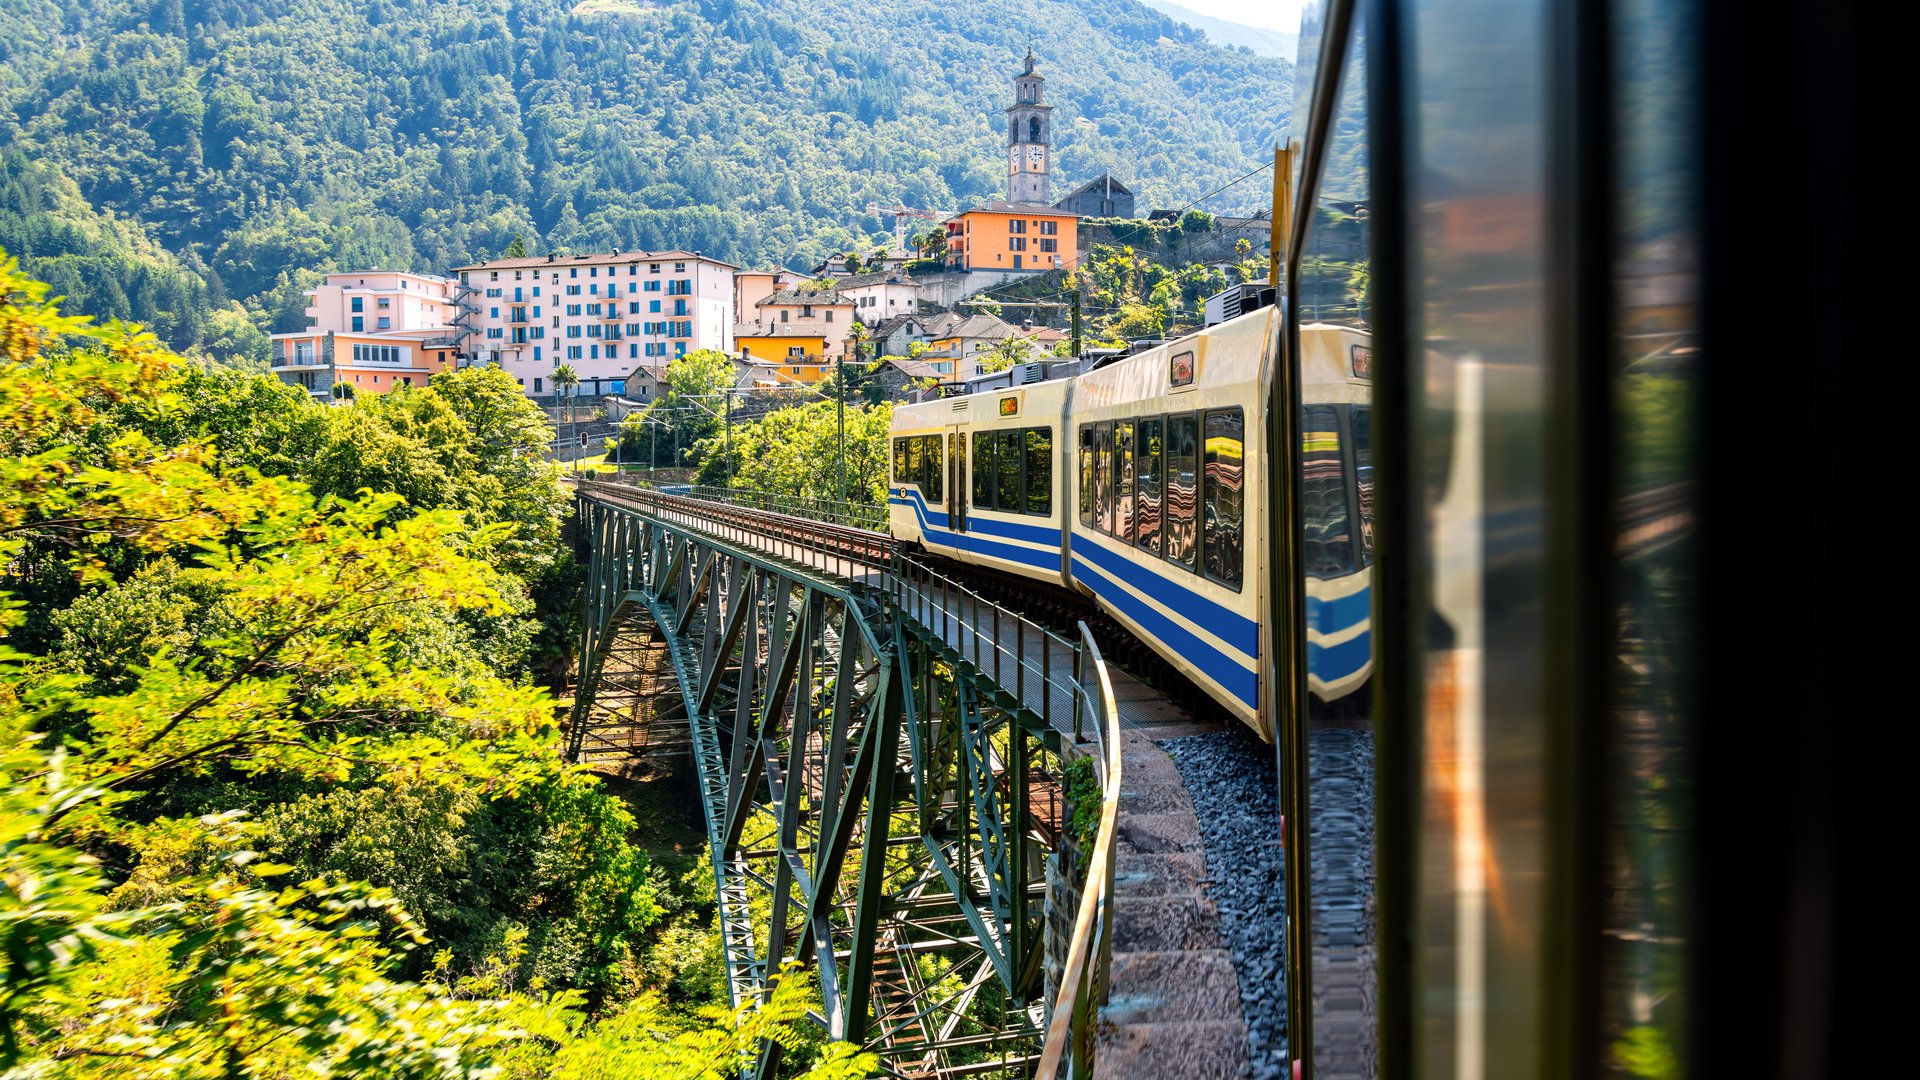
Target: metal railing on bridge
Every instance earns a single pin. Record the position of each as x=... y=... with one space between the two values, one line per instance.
x=858 y=515
x=971 y=769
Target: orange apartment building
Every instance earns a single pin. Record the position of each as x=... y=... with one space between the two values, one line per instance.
x=797 y=357
x=1012 y=236
x=374 y=331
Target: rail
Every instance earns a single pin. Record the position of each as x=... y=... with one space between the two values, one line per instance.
x=1068 y=1050
x=856 y=515
x=841 y=550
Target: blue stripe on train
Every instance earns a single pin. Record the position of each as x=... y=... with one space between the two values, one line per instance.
x=1034 y=557
x=1333 y=662
x=1239 y=681
x=1227 y=624
x=1331 y=616
x=1012 y=530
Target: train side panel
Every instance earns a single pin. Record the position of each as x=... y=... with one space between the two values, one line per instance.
x=1174 y=552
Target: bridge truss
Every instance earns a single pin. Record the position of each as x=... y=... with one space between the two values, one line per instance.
x=879 y=759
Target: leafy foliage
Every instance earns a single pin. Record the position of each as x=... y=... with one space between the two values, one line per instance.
x=256 y=757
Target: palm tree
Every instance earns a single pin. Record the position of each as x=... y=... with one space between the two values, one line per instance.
x=565 y=379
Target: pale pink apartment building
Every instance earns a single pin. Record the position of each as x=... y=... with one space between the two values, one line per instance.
x=374 y=331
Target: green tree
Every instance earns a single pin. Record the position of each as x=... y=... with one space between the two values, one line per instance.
x=517 y=249
x=1010 y=350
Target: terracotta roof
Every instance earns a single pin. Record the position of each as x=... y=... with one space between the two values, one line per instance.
x=621 y=257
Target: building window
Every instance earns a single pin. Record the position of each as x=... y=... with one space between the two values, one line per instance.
x=573 y=271
x=573 y=309
x=356 y=304
x=536 y=354
x=383 y=323
x=829 y=316
x=1016 y=243
x=573 y=352
x=376 y=354
x=633 y=307
x=652 y=268
x=1049 y=228
x=383 y=302
x=653 y=286
x=679 y=268
x=573 y=290
x=1017 y=226
x=493 y=313
x=359 y=324
x=1049 y=245
x=783 y=315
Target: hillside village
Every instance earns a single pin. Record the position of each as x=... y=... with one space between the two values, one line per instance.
x=979 y=291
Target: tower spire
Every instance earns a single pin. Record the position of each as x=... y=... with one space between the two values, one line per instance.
x=1029 y=137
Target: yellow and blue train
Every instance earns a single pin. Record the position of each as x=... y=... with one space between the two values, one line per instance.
x=1140 y=483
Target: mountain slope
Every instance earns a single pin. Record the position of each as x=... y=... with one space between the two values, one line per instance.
x=269 y=135
x=1228 y=33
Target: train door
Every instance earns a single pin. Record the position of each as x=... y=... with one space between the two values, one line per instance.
x=957 y=479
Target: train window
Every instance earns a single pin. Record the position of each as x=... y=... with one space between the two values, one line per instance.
x=1103 y=477
x=900 y=473
x=1039 y=471
x=1123 y=480
x=1224 y=508
x=1327 y=542
x=1086 y=475
x=1150 y=476
x=932 y=469
x=1360 y=419
x=916 y=461
x=983 y=470
x=1006 y=445
x=1183 y=488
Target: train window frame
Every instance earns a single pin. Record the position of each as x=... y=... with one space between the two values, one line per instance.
x=916 y=460
x=1238 y=562
x=1085 y=494
x=1041 y=453
x=1157 y=456
x=1191 y=563
x=1125 y=489
x=934 y=468
x=1003 y=438
x=1102 y=476
x=1310 y=542
x=900 y=460
x=981 y=467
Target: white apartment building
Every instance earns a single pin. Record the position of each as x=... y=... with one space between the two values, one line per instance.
x=881 y=295
x=602 y=314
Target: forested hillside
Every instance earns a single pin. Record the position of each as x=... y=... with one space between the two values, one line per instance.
x=252 y=138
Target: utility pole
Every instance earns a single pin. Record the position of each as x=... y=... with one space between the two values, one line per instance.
x=1076 y=322
x=729 y=440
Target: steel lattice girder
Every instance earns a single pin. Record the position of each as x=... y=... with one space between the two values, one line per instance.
x=797 y=688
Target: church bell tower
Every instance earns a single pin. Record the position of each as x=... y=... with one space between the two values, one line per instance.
x=1029 y=140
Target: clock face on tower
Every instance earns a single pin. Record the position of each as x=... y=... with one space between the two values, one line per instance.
x=1014 y=158
x=1036 y=158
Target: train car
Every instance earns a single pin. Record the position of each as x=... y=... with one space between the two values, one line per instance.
x=1169 y=506
x=979 y=478
x=1336 y=496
